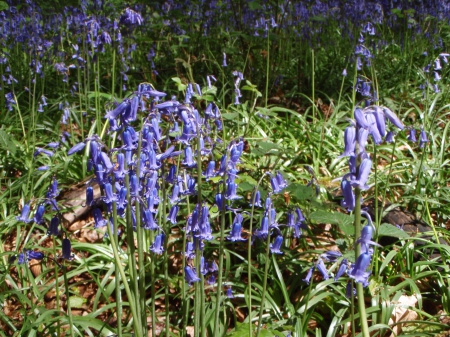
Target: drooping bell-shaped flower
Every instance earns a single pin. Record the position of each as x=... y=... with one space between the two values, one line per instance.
x=67 y=250
x=359 y=272
x=172 y=217
x=148 y=222
x=76 y=148
x=363 y=175
x=331 y=256
x=53 y=228
x=349 y=201
x=361 y=119
x=157 y=246
x=392 y=117
x=342 y=269
x=39 y=216
x=423 y=139
x=412 y=135
x=99 y=222
x=307 y=279
x=349 y=141
x=24 y=214
x=322 y=269
x=190 y=275
x=276 y=245
x=257 y=197
x=236 y=229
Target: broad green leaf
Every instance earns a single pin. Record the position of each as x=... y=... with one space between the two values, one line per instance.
x=344 y=221
x=76 y=301
x=6 y=142
x=387 y=229
x=3 y=6
x=301 y=192
x=230 y=115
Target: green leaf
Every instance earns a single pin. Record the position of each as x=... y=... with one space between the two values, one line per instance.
x=230 y=115
x=344 y=221
x=387 y=229
x=76 y=301
x=6 y=142
x=241 y=330
x=3 y=6
x=301 y=192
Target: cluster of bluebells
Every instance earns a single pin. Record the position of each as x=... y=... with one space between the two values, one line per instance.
x=52 y=228
x=371 y=120
x=131 y=175
x=434 y=68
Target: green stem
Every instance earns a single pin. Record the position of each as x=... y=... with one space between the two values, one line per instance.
x=69 y=308
x=131 y=298
x=266 y=271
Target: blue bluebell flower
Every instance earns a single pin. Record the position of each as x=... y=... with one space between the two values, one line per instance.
x=39 y=216
x=229 y=292
x=236 y=229
x=358 y=271
x=67 y=250
x=24 y=214
x=412 y=135
x=331 y=256
x=363 y=175
x=423 y=138
x=349 y=141
x=307 y=279
x=157 y=247
x=392 y=117
x=322 y=269
x=53 y=228
x=276 y=245
x=190 y=275
x=99 y=222
x=342 y=269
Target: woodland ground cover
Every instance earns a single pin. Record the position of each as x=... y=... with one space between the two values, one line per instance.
x=224 y=168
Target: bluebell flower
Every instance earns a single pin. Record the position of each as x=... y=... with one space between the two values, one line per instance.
x=99 y=222
x=24 y=214
x=282 y=183
x=172 y=217
x=231 y=191
x=322 y=269
x=33 y=255
x=189 y=252
x=39 y=216
x=390 y=137
x=229 y=292
x=366 y=237
x=257 y=197
x=423 y=138
x=67 y=250
x=148 y=222
x=188 y=160
x=350 y=290
x=358 y=270
x=307 y=279
x=210 y=170
x=363 y=134
x=236 y=229
x=392 y=117
x=157 y=247
x=349 y=141
x=219 y=201
x=349 y=201
x=190 y=275
x=276 y=245
x=211 y=280
x=342 y=269
x=263 y=231
x=53 y=228
x=363 y=175
x=412 y=135
x=331 y=256
x=224 y=62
